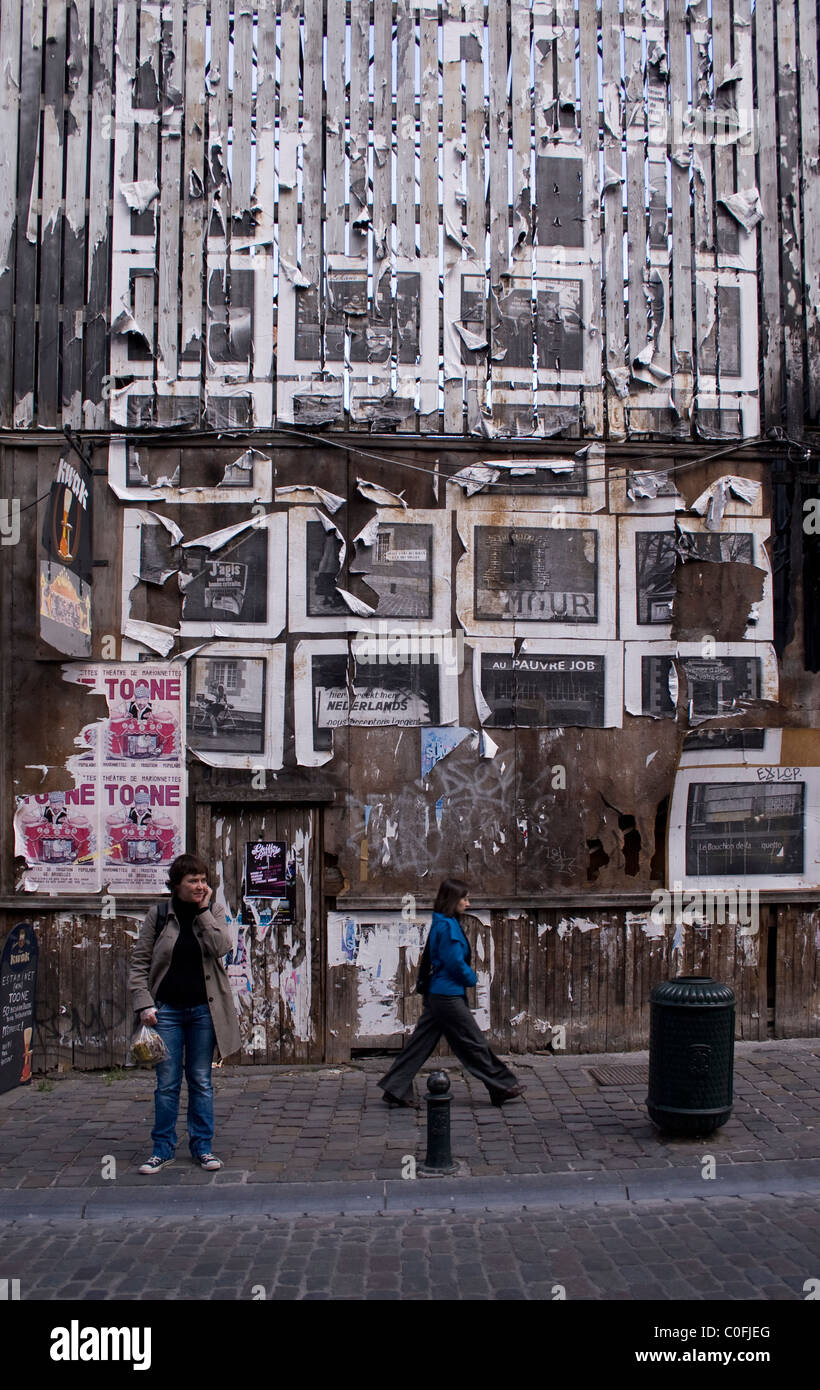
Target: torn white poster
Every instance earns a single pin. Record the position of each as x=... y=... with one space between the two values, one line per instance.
x=246 y=478
x=381 y=496
x=303 y=494
x=714 y=499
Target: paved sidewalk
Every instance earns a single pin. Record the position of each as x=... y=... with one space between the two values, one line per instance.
x=312 y=1126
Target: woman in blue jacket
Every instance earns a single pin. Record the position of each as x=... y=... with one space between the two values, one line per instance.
x=444 y=976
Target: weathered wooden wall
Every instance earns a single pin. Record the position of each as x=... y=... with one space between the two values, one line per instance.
x=463 y=223
x=551 y=970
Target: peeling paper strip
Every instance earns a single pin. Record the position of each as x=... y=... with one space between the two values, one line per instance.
x=714 y=499
x=303 y=494
x=483 y=709
x=381 y=496
x=356 y=605
x=650 y=484
x=368 y=534
x=152 y=635
x=216 y=539
x=475 y=477
x=488 y=748
x=139 y=195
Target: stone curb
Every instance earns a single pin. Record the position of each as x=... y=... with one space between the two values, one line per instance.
x=396 y=1197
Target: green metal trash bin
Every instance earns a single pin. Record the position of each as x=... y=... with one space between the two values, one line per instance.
x=691 y=1054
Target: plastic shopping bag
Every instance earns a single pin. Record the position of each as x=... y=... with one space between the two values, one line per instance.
x=147 y=1047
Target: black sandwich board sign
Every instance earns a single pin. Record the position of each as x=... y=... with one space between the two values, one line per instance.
x=18 y=980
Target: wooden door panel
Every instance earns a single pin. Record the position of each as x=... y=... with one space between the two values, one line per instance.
x=281 y=1017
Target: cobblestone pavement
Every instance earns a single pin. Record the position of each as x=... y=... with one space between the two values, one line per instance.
x=330 y=1123
x=766 y=1249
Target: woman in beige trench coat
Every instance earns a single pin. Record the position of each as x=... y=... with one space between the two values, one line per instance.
x=180 y=986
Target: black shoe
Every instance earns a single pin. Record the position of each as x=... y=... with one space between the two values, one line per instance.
x=501 y=1097
x=408 y=1102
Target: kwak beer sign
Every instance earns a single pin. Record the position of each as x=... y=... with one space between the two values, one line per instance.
x=66 y=561
x=18 y=979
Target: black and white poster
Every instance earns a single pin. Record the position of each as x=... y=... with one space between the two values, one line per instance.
x=556 y=576
x=559 y=325
x=384 y=694
x=656 y=557
x=714 y=685
x=714 y=740
x=330 y=697
x=226 y=704
x=234 y=581
x=740 y=820
x=236 y=704
x=230 y=584
x=544 y=692
x=745 y=829
x=536 y=574
x=398 y=567
x=548 y=685
x=559 y=188
x=340 y=685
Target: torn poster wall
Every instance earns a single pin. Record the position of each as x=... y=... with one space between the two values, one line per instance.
x=231 y=226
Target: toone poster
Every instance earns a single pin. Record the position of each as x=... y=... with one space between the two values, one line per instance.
x=123 y=822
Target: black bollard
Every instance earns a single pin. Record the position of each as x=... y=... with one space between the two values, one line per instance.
x=438 y=1162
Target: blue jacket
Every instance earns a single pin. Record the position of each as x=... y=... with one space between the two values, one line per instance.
x=449 y=957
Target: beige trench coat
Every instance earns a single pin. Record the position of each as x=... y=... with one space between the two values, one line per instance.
x=149 y=966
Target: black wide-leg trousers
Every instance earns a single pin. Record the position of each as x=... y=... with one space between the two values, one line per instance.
x=447 y=1015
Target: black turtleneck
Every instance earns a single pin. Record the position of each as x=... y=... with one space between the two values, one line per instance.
x=184 y=985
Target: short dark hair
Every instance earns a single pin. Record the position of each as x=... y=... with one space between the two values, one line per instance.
x=183 y=865
x=449 y=895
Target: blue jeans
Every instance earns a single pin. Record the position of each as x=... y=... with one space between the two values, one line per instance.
x=188 y=1034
